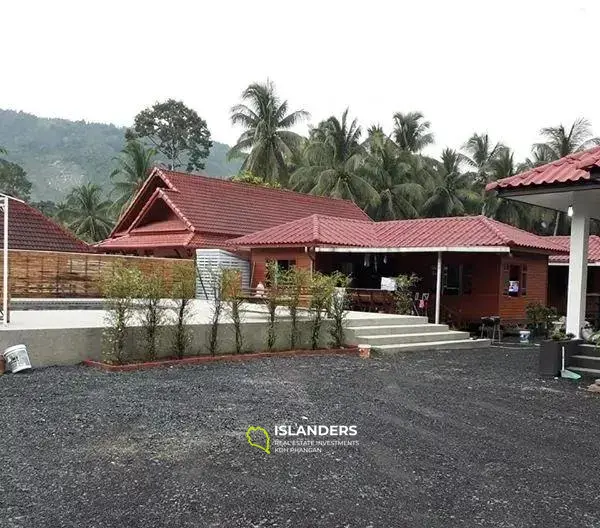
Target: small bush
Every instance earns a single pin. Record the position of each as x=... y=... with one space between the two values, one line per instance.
x=339 y=308
x=120 y=286
x=153 y=315
x=540 y=318
x=184 y=290
x=216 y=310
x=233 y=297
x=295 y=282
x=272 y=300
x=321 y=293
x=403 y=295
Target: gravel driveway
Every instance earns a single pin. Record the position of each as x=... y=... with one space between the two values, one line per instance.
x=467 y=438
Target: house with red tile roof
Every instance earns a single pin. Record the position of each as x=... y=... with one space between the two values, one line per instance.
x=480 y=266
x=174 y=213
x=30 y=229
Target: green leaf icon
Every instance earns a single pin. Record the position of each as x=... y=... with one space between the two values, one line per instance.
x=266 y=447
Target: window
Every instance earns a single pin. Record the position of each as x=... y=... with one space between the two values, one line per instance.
x=457 y=279
x=514 y=278
x=285 y=265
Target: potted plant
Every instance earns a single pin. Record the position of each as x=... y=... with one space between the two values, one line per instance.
x=552 y=349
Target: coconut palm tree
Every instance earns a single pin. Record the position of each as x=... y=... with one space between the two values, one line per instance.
x=560 y=142
x=133 y=166
x=412 y=131
x=397 y=176
x=267 y=140
x=450 y=191
x=86 y=213
x=480 y=154
x=333 y=159
x=508 y=211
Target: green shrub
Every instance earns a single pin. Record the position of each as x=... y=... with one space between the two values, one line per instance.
x=321 y=293
x=233 y=298
x=273 y=295
x=120 y=286
x=153 y=314
x=540 y=318
x=216 y=294
x=403 y=295
x=184 y=290
x=338 y=308
x=295 y=282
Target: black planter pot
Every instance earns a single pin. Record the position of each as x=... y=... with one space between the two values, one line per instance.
x=551 y=357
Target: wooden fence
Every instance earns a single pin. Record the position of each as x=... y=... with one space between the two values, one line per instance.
x=55 y=274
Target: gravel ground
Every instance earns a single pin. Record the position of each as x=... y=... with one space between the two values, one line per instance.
x=467 y=438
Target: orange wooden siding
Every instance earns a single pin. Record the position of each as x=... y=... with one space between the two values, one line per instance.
x=260 y=257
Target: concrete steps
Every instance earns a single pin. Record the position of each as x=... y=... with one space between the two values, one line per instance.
x=388 y=334
x=586 y=362
x=586 y=372
x=390 y=339
x=461 y=344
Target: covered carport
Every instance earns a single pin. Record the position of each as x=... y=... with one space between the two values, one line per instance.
x=570 y=185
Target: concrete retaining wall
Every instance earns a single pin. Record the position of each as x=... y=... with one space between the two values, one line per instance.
x=70 y=346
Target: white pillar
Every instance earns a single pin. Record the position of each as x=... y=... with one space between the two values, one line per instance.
x=438 y=288
x=576 y=294
x=5 y=265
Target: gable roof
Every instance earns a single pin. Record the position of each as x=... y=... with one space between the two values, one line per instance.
x=212 y=205
x=428 y=234
x=564 y=242
x=570 y=169
x=28 y=228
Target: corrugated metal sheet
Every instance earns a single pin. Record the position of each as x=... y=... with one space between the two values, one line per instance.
x=209 y=263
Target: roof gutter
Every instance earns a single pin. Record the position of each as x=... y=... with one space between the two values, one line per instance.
x=445 y=249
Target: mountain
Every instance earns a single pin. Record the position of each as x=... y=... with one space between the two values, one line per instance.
x=58 y=154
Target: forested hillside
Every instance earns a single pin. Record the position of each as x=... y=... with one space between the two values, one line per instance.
x=59 y=154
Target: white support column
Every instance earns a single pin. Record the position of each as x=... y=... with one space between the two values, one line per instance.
x=576 y=294
x=5 y=265
x=438 y=288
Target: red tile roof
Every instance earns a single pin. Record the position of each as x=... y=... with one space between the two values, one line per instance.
x=570 y=169
x=28 y=228
x=564 y=241
x=426 y=233
x=163 y=240
x=216 y=210
x=222 y=206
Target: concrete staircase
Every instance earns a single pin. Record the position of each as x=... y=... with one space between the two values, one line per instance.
x=398 y=333
x=586 y=362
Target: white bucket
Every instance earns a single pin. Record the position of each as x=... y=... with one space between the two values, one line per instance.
x=524 y=336
x=16 y=358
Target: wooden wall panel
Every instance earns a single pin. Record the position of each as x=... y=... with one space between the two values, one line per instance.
x=54 y=274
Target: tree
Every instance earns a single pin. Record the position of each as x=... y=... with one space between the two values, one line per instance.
x=397 y=176
x=561 y=142
x=508 y=211
x=86 y=213
x=333 y=162
x=481 y=154
x=412 y=131
x=266 y=141
x=450 y=191
x=47 y=207
x=174 y=130
x=133 y=166
x=248 y=177
x=13 y=180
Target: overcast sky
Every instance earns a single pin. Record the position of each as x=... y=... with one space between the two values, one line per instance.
x=506 y=67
